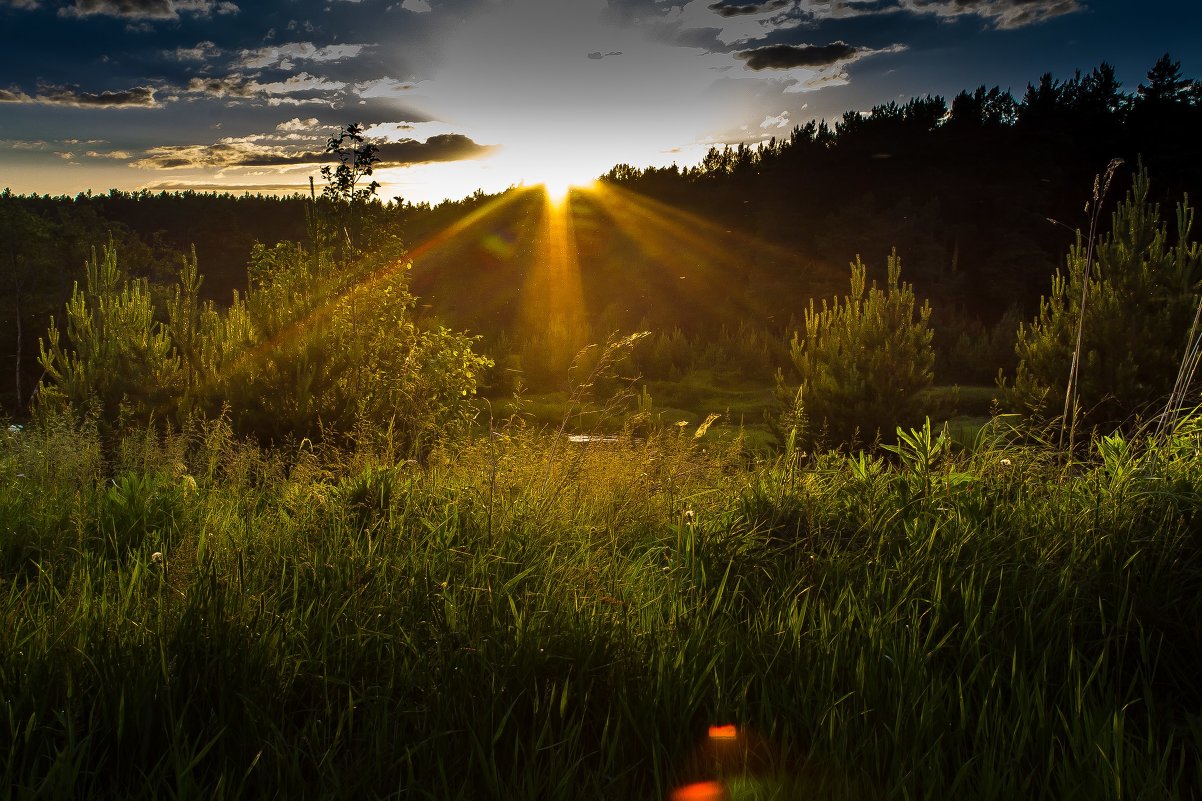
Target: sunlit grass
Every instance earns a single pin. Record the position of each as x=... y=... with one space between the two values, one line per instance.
x=524 y=617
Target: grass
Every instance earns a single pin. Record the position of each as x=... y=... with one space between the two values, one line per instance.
x=524 y=617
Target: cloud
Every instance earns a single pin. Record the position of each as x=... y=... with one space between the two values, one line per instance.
x=383 y=87
x=239 y=152
x=200 y=52
x=296 y=84
x=117 y=155
x=727 y=8
x=222 y=155
x=443 y=147
x=597 y=55
x=24 y=5
x=147 y=9
x=1003 y=13
x=201 y=186
x=135 y=97
x=25 y=144
x=15 y=95
x=227 y=86
x=416 y=6
x=296 y=125
x=783 y=57
x=237 y=86
x=284 y=55
x=779 y=121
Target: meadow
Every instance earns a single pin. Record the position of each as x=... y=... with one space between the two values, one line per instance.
x=189 y=615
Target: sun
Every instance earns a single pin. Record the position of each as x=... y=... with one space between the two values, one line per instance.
x=557 y=188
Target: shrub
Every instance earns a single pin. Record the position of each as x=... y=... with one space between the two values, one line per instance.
x=312 y=347
x=864 y=358
x=1140 y=297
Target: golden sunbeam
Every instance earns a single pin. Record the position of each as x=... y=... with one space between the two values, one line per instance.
x=467 y=228
x=552 y=306
x=731 y=272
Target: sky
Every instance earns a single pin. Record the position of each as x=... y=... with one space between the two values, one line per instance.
x=459 y=95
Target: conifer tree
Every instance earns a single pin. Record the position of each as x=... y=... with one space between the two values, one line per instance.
x=864 y=358
x=1140 y=297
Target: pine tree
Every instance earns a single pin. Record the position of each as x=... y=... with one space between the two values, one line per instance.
x=1140 y=298
x=864 y=358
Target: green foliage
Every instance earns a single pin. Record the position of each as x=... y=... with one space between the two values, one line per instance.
x=864 y=358
x=346 y=627
x=309 y=349
x=116 y=354
x=1140 y=299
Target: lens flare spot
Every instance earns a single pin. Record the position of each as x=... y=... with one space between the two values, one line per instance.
x=700 y=791
x=726 y=732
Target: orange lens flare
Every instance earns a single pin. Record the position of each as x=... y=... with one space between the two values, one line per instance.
x=700 y=791
x=727 y=732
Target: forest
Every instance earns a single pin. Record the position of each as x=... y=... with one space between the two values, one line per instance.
x=863 y=463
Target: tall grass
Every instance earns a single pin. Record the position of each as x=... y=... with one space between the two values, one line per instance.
x=528 y=618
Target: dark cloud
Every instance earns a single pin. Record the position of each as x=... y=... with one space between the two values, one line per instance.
x=708 y=39
x=244 y=152
x=147 y=9
x=187 y=186
x=443 y=147
x=727 y=8
x=783 y=57
x=14 y=95
x=226 y=86
x=202 y=51
x=1006 y=14
x=137 y=97
x=309 y=88
x=597 y=55
x=224 y=154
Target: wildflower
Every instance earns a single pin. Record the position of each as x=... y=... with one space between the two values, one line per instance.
x=189 y=484
x=156 y=558
x=1005 y=463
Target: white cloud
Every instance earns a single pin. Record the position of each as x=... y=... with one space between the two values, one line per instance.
x=416 y=6
x=297 y=125
x=779 y=121
x=301 y=82
x=284 y=54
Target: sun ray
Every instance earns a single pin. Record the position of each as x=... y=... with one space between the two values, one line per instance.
x=553 y=308
x=464 y=229
x=735 y=274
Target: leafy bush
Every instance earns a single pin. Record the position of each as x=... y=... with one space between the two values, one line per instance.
x=864 y=358
x=312 y=347
x=1140 y=297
